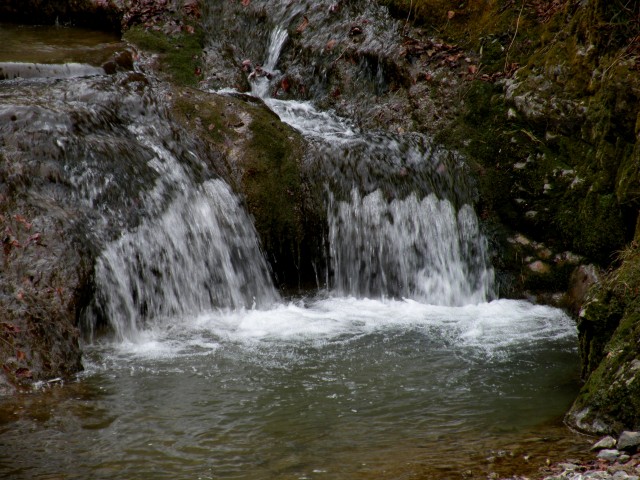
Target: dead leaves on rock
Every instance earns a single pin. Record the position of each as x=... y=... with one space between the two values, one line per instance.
x=9 y=328
x=453 y=57
x=152 y=13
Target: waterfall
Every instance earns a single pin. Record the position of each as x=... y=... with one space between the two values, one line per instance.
x=399 y=211
x=194 y=247
x=420 y=248
x=201 y=254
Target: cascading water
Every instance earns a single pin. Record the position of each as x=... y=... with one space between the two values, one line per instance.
x=198 y=252
x=393 y=227
x=212 y=375
x=422 y=249
x=174 y=240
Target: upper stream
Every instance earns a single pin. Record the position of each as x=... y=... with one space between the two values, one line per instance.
x=401 y=365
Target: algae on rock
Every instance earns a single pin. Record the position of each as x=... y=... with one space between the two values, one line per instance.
x=609 y=329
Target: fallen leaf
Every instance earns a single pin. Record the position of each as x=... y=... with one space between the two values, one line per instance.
x=303 y=24
x=23 y=373
x=10 y=328
x=451 y=14
x=245 y=2
x=331 y=44
x=20 y=355
x=472 y=69
x=22 y=220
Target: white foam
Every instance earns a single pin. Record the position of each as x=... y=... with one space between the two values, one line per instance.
x=489 y=327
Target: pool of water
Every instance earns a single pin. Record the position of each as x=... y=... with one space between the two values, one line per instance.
x=327 y=388
x=51 y=44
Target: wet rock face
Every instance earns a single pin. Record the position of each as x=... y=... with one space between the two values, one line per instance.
x=266 y=165
x=76 y=163
x=609 y=331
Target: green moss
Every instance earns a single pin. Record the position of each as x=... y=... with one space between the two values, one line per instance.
x=179 y=54
x=612 y=391
x=263 y=158
x=207 y=115
x=272 y=183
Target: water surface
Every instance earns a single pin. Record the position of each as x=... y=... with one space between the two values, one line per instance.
x=334 y=388
x=51 y=44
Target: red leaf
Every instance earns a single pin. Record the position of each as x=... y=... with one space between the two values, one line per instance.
x=245 y=2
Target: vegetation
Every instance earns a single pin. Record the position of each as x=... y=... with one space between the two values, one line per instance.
x=179 y=53
x=609 y=328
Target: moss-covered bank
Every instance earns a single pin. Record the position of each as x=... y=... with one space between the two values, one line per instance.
x=609 y=328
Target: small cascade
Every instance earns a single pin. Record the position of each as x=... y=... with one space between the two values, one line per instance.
x=201 y=254
x=399 y=208
x=169 y=238
x=418 y=248
x=196 y=249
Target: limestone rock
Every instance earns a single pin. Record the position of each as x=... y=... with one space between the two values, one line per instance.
x=607 y=442
x=629 y=441
x=610 y=455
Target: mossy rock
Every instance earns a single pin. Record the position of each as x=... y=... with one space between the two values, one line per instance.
x=609 y=332
x=261 y=157
x=180 y=54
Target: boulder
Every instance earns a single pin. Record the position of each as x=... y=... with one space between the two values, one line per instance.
x=629 y=441
x=610 y=455
x=604 y=443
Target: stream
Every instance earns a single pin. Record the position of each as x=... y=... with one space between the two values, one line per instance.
x=402 y=364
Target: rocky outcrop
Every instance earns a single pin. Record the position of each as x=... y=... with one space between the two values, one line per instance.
x=265 y=164
x=609 y=329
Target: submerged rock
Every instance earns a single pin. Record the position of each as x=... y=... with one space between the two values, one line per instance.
x=13 y=70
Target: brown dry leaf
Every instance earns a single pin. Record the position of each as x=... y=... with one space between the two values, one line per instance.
x=23 y=373
x=9 y=328
x=451 y=14
x=331 y=44
x=303 y=24
x=20 y=355
x=245 y=2
x=23 y=221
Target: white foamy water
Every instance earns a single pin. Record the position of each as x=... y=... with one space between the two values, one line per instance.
x=499 y=328
x=201 y=253
x=419 y=248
